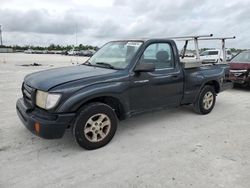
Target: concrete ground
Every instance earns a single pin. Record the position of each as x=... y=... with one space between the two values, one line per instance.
x=171 y=148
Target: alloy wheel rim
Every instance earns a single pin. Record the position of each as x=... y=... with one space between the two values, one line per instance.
x=208 y=100
x=97 y=127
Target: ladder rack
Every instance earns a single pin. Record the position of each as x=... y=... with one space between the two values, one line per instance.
x=196 y=38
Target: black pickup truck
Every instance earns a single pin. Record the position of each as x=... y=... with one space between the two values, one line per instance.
x=123 y=78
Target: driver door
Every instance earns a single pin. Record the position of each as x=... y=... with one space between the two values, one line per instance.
x=162 y=87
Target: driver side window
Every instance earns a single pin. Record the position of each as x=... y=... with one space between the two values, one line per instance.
x=160 y=54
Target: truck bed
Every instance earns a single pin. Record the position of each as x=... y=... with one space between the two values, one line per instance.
x=198 y=74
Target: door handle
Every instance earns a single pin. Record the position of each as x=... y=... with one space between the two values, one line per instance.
x=175 y=76
x=141 y=81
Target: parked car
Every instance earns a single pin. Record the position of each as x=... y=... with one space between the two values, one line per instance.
x=29 y=51
x=141 y=76
x=72 y=52
x=87 y=53
x=214 y=56
x=240 y=68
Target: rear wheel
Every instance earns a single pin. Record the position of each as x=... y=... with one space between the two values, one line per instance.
x=95 y=126
x=206 y=100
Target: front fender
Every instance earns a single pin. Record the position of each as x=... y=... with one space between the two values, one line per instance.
x=118 y=90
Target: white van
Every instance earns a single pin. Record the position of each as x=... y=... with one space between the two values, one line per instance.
x=214 y=56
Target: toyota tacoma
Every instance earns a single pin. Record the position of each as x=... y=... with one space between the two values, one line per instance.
x=122 y=79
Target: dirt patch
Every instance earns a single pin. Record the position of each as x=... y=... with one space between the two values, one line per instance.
x=31 y=65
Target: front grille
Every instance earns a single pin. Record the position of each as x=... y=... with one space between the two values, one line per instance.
x=28 y=95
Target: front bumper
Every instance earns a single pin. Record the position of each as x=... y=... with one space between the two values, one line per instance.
x=239 y=76
x=41 y=123
x=240 y=80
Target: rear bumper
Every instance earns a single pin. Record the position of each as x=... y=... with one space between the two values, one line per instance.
x=43 y=124
x=226 y=85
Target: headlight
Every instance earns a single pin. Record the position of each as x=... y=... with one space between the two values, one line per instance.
x=47 y=100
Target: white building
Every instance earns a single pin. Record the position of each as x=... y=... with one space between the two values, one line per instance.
x=6 y=50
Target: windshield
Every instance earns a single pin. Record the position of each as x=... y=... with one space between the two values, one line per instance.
x=115 y=54
x=209 y=53
x=243 y=57
x=204 y=53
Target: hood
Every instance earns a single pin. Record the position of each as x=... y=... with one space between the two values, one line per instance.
x=47 y=79
x=237 y=65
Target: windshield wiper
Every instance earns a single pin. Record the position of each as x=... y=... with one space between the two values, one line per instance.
x=106 y=65
x=87 y=63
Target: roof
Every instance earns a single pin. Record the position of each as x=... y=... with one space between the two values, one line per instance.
x=141 y=39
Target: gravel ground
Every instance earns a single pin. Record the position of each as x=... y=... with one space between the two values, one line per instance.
x=170 y=148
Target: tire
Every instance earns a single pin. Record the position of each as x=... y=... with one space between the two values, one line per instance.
x=206 y=100
x=95 y=126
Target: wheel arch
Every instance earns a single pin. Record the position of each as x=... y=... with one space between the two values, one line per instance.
x=215 y=84
x=111 y=101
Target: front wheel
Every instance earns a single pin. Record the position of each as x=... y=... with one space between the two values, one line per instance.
x=206 y=100
x=95 y=126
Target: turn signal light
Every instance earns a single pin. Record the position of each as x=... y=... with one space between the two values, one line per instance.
x=37 y=127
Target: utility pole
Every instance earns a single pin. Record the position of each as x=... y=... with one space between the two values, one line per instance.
x=1 y=38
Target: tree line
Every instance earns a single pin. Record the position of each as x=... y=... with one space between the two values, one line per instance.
x=79 y=47
x=51 y=47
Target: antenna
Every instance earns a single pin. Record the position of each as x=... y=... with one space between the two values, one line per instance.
x=76 y=33
x=76 y=42
x=1 y=38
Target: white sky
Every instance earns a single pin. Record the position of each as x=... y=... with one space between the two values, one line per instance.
x=37 y=22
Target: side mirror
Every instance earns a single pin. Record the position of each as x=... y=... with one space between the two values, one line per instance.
x=145 y=67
